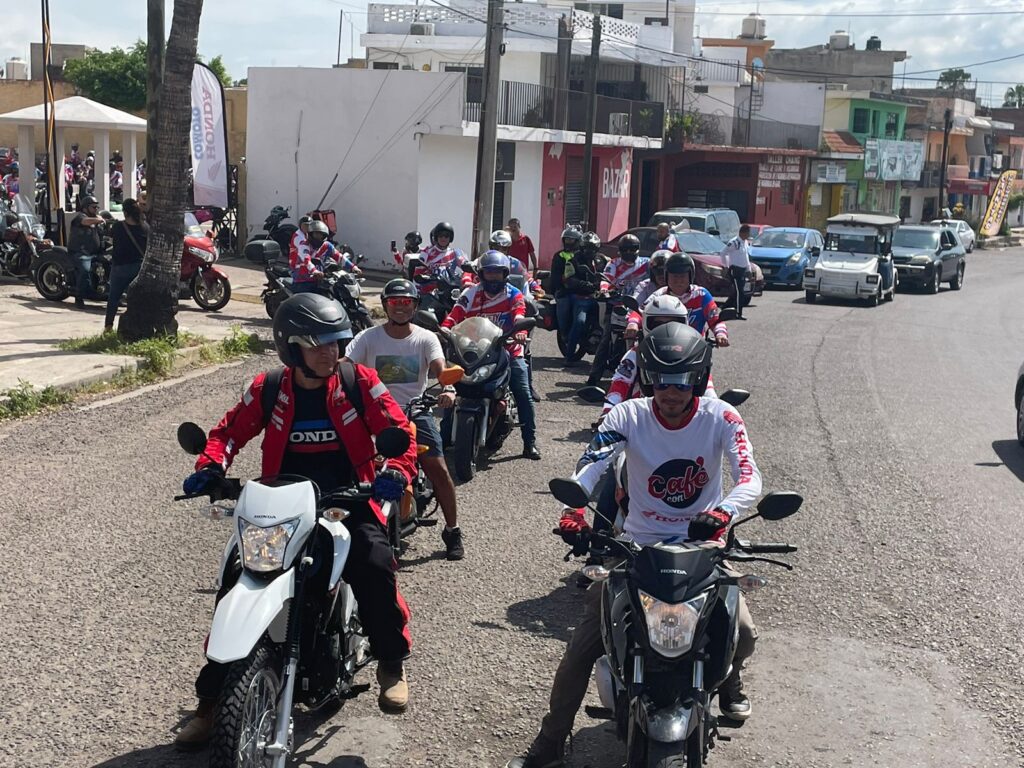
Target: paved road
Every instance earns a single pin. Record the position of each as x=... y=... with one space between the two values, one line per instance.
x=895 y=643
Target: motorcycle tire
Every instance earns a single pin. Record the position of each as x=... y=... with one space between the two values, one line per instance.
x=250 y=691
x=211 y=297
x=395 y=531
x=272 y=301
x=52 y=280
x=563 y=347
x=464 y=450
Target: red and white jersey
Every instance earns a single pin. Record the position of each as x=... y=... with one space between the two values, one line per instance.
x=625 y=276
x=675 y=473
x=436 y=259
x=298 y=248
x=502 y=310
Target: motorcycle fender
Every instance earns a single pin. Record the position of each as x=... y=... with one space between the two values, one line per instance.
x=212 y=272
x=246 y=612
x=230 y=550
x=342 y=543
x=669 y=725
x=605 y=682
x=483 y=425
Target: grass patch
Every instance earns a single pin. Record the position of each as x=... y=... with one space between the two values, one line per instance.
x=24 y=400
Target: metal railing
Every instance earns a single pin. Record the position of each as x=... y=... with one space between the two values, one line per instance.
x=736 y=131
x=533 y=106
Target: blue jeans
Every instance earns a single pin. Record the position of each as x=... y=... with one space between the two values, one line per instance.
x=84 y=277
x=572 y=313
x=304 y=286
x=121 y=276
x=520 y=386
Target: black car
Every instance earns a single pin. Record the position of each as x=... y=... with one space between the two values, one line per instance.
x=1018 y=401
x=926 y=256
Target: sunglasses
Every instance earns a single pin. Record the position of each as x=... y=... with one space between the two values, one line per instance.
x=681 y=387
x=401 y=302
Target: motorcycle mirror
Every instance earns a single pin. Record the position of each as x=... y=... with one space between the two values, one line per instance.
x=360 y=258
x=569 y=492
x=779 y=505
x=424 y=318
x=734 y=397
x=191 y=438
x=591 y=394
x=542 y=274
x=451 y=375
x=630 y=303
x=392 y=442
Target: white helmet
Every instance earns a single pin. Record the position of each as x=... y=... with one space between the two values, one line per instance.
x=664 y=308
x=500 y=239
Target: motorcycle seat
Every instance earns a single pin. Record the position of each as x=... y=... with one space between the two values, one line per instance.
x=281 y=270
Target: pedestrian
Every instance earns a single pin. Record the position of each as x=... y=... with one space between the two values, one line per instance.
x=84 y=242
x=116 y=182
x=130 y=238
x=736 y=258
x=666 y=239
x=522 y=246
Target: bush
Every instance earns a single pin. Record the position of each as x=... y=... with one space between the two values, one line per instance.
x=25 y=399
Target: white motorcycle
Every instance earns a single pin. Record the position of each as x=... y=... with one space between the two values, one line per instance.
x=261 y=627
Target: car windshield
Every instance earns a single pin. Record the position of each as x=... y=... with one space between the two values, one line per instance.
x=698 y=242
x=693 y=221
x=916 y=238
x=773 y=238
x=851 y=243
x=192 y=228
x=474 y=337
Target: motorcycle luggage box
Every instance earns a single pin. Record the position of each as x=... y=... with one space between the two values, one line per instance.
x=262 y=251
x=548 y=317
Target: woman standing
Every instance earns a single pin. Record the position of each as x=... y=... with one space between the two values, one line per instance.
x=126 y=259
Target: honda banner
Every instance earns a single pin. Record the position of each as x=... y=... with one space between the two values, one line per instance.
x=208 y=139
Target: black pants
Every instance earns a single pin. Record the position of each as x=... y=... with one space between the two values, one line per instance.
x=739 y=279
x=603 y=348
x=370 y=571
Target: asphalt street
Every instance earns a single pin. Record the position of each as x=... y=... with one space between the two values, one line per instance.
x=895 y=642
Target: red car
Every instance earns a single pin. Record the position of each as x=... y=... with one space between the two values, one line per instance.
x=757 y=229
x=710 y=271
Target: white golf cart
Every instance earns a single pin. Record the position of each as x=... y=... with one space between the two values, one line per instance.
x=856 y=262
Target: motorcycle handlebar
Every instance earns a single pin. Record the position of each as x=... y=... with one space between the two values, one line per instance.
x=768 y=548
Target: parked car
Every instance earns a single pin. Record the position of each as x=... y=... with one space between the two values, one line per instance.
x=783 y=253
x=710 y=272
x=926 y=256
x=648 y=237
x=856 y=262
x=720 y=222
x=963 y=231
x=1018 y=401
x=757 y=229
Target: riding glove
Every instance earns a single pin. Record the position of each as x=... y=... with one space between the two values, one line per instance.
x=709 y=526
x=575 y=532
x=389 y=485
x=201 y=481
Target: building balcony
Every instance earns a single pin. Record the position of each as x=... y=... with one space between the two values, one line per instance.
x=534 y=106
x=729 y=130
x=930 y=175
x=716 y=71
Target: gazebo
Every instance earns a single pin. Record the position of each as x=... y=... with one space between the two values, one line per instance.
x=77 y=112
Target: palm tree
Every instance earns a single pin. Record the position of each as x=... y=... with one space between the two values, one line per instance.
x=153 y=297
x=1014 y=97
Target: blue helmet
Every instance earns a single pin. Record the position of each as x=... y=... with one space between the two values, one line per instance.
x=492 y=261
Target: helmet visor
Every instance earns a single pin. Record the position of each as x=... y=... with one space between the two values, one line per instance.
x=683 y=379
x=310 y=342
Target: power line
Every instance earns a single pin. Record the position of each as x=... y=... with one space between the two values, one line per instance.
x=868 y=15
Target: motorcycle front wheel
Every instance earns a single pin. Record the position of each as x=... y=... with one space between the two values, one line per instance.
x=563 y=347
x=464 y=449
x=273 y=300
x=246 y=712
x=212 y=296
x=52 y=281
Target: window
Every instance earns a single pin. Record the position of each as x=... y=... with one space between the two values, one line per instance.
x=474 y=81
x=861 y=118
x=875 y=121
x=786 y=192
x=892 y=125
x=655 y=21
x=613 y=10
x=385 y=65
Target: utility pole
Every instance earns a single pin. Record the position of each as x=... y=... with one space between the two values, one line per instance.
x=947 y=126
x=487 y=144
x=563 y=59
x=588 y=146
x=341 y=18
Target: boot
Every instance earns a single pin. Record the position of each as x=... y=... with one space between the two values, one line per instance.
x=452 y=538
x=543 y=753
x=195 y=734
x=530 y=452
x=394 y=690
x=732 y=702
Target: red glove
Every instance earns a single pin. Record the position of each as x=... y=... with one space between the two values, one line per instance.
x=574 y=531
x=709 y=526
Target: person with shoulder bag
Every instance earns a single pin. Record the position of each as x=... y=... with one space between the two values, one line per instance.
x=130 y=238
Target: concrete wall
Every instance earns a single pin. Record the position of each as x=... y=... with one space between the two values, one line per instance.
x=446 y=181
x=527 y=189
x=867 y=70
x=60 y=53
x=382 y=204
x=800 y=103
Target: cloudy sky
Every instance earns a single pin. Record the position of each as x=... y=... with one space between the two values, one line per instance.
x=305 y=32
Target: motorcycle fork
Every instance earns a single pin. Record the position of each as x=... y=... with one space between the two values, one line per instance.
x=281 y=746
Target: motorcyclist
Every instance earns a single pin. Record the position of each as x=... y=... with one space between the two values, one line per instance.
x=411 y=247
x=574 y=281
x=502 y=304
x=85 y=241
x=571 y=237
x=313 y=411
x=441 y=256
x=308 y=265
x=404 y=355
x=501 y=241
x=674 y=428
x=655 y=279
x=623 y=274
x=298 y=241
x=667 y=241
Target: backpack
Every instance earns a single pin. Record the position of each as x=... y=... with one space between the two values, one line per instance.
x=272 y=385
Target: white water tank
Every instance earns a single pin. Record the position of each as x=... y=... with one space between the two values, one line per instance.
x=753 y=28
x=839 y=40
x=16 y=69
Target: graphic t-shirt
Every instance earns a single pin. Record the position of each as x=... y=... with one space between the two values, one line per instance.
x=314 y=450
x=401 y=364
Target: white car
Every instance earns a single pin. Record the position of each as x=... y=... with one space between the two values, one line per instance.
x=856 y=262
x=962 y=228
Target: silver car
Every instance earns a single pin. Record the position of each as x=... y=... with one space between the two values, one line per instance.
x=962 y=229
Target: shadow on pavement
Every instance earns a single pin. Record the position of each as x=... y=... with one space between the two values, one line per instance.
x=1012 y=456
x=552 y=615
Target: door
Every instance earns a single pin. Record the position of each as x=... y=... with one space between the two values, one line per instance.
x=950 y=254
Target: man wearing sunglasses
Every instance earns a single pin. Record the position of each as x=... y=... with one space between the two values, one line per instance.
x=674 y=441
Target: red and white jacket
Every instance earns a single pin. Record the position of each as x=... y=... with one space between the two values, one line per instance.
x=436 y=260
x=625 y=277
x=503 y=310
x=246 y=420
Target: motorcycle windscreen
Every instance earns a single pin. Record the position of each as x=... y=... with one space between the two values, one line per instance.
x=673 y=573
x=473 y=339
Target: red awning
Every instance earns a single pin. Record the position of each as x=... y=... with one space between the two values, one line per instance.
x=842 y=142
x=969 y=186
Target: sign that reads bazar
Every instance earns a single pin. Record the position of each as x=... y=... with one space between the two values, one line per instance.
x=775 y=169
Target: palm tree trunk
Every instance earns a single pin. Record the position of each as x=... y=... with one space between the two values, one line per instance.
x=153 y=297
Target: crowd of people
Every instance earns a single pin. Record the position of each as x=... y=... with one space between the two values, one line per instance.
x=77 y=178
x=661 y=408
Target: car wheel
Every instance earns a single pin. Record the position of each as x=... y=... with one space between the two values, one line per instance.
x=1020 y=422
x=958 y=282
x=933 y=286
x=872 y=301
x=810 y=296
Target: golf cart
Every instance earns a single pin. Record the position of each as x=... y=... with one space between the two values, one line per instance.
x=856 y=262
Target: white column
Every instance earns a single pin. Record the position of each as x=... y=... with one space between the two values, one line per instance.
x=58 y=202
x=131 y=160
x=26 y=202
x=102 y=193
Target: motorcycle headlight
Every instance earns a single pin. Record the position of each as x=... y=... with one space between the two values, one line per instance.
x=263 y=548
x=481 y=374
x=39 y=231
x=200 y=253
x=670 y=626
x=795 y=258
x=455 y=294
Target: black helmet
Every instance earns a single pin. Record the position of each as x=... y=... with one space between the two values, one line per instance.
x=399 y=288
x=656 y=266
x=674 y=353
x=439 y=228
x=629 y=245
x=679 y=264
x=413 y=239
x=308 y=320
x=318 y=227
x=89 y=200
x=572 y=233
x=590 y=242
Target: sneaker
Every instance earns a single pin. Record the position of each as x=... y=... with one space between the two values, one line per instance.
x=543 y=753
x=394 y=690
x=732 y=702
x=530 y=452
x=452 y=538
x=196 y=732
x=79 y=303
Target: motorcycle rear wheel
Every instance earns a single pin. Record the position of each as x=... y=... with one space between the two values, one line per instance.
x=465 y=447
x=563 y=347
x=52 y=281
x=211 y=297
x=245 y=714
x=272 y=301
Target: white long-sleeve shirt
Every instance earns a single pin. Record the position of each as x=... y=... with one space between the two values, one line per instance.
x=674 y=473
x=736 y=253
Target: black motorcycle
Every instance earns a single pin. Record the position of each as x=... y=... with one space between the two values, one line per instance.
x=669 y=630
x=55 y=271
x=337 y=283
x=591 y=337
x=274 y=230
x=445 y=287
x=17 y=250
